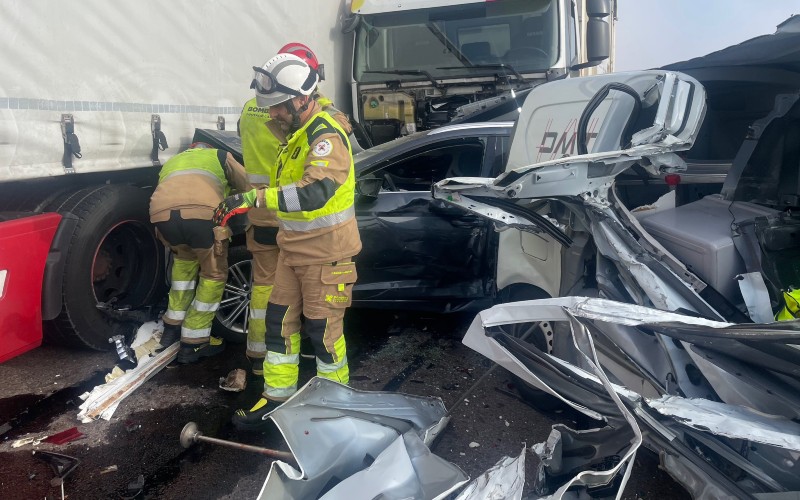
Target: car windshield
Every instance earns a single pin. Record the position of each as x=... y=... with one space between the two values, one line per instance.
x=472 y=39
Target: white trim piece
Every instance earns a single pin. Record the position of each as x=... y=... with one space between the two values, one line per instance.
x=3 y=274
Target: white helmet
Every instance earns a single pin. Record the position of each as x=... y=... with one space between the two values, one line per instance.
x=281 y=78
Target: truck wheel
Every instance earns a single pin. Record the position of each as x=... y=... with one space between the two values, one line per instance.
x=113 y=257
x=230 y=322
x=540 y=334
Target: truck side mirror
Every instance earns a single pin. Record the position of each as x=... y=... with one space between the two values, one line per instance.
x=598 y=33
x=349 y=24
x=368 y=188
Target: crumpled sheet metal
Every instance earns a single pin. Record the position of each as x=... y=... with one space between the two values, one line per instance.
x=731 y=421
x=701 y=436
x=503 y=481
x=338 y=434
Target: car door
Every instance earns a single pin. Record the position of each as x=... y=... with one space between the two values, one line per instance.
x=419 y=252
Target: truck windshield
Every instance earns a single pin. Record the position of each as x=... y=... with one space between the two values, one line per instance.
x=465 y=40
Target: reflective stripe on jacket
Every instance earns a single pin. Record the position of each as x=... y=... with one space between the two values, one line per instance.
x=315 y=193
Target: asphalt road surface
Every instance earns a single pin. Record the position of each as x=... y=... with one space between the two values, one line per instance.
x=137 y=454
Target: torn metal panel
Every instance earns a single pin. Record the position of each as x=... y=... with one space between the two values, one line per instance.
x=740 y=383
x=335 y=431
x=738 y=450
x=730 y=421
x=503 y=481
x=405 y=469
x=756 y=297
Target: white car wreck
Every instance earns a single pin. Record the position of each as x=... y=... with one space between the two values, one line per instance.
x=664 y=327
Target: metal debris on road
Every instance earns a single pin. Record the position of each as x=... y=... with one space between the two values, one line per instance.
x=505 y=480
x=103 y=400
x=124 y=352
x=331 y=428
x=191 y=435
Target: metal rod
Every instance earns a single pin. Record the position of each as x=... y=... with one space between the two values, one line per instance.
x=283 y=455
x=190 y=435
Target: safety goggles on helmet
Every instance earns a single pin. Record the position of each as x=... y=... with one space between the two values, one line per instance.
x=265 y=82
x=200 y=145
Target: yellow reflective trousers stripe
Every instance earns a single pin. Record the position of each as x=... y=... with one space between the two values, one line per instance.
x=257 y=324
x=200 y=315
x=181 y=292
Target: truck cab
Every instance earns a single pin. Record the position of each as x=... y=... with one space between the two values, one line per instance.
x=418 y=65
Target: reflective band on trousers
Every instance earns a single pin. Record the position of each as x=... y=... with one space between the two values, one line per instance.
x=196 y=171
x=195 y=334
x=291 y=198
x=176 y=315
x=256 y=346
x=319 y=222
x=258 y=179
x=276 y=358
x=205 y=306
x=258 y=314
x=183 y=285
x=279 y=392
x=330 y=367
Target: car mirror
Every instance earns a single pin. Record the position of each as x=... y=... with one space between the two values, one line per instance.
x=368 y=188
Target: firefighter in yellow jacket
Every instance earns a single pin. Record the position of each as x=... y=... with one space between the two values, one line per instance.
x=313 y=200
x=262 y=138
x=190 y=186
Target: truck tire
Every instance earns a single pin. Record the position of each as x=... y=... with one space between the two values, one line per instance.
x=230 y=322
x=113 y=257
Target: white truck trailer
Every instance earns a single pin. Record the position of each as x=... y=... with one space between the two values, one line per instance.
x=94 y=97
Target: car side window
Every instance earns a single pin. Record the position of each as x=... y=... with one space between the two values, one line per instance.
x=421 y=168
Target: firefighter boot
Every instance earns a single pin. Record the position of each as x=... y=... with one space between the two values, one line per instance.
x=190 y=353
x=172 y=334
x=254 y=418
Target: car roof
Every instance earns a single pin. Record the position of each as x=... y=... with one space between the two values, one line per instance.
x=397 y=146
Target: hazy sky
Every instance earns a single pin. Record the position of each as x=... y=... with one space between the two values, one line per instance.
x=652 y=33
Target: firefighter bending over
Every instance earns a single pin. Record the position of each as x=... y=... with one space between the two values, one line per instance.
x=190 y=185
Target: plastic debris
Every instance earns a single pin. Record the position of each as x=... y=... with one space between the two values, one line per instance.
x=110 y=468
x=134 y=488
x=34 y=440
x=236 y=381
x=474 y=444
x=62 y=465
x=125 y=353
x=116 y=373
x=64 y=437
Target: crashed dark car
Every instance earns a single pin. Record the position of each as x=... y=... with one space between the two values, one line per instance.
x=675 y=215
x=418 y=253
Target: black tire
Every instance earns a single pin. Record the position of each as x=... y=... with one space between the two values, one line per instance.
x=540 y=338
x=230 y=322
x=113 y=256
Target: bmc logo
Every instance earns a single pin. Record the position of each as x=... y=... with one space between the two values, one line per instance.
x=560 y=144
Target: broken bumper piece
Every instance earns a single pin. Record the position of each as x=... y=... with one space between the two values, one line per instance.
x=718 y=402
x=352 y=444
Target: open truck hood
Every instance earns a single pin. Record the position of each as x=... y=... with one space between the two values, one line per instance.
x=575 y=136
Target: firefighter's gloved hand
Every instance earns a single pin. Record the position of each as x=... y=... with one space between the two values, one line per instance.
x=236 y=204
